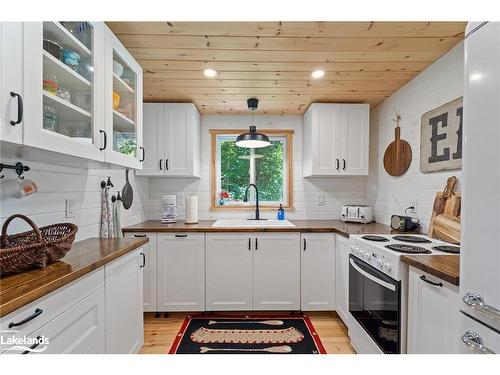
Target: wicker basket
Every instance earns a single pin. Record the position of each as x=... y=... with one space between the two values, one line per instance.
x=35 y=248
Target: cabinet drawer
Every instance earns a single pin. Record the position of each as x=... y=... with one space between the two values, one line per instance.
x=76 y=329
x=51 y=306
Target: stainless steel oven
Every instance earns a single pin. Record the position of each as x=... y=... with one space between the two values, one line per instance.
x=375 y=303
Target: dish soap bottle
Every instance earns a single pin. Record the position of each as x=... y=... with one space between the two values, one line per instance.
x=281 y=213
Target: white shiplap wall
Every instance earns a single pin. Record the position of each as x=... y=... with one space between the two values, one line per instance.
x=440 y=83
x=57 y=183
x=338 y=191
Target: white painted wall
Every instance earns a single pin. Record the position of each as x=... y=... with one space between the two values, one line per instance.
x=440 y=83
x=56 y=184
x=338 y=191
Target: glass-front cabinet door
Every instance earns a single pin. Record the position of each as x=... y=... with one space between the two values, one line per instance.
x=63 y=80
x=123 y=106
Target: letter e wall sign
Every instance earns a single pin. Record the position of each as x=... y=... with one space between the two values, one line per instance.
x=441 y=137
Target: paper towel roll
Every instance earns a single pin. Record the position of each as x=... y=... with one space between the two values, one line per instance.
x=192 y=209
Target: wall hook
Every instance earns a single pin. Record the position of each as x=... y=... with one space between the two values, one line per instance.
x=109 y=183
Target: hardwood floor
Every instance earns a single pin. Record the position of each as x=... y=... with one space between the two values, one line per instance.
x=159 y=333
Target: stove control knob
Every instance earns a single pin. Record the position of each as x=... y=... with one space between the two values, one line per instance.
x=379 y=263
x=387 y=266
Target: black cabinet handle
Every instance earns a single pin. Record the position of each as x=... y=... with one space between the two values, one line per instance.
x=423 y=278
x=26 y=320
x=139 y=235
x=160 y=165
x=343 y=161
x=249 y=244
x=105 y=140
x=20 y=109
x=181 y=235
x=256 y=244
x=143 y=154
x=143 y=260
x=305 y=245
x=338 y=164
x=38 y=339
x=166 y=164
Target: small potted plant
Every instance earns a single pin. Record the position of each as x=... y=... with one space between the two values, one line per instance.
x=222 y=196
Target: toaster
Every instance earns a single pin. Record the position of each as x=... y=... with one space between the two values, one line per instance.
x=356 y=213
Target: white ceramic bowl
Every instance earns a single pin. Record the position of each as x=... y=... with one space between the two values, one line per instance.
x=117 y=68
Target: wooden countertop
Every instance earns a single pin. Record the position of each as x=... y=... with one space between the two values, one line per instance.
x=308 y=226
x=20 y=289
x=446 y=267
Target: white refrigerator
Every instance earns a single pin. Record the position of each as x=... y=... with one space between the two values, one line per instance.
x=480 y=247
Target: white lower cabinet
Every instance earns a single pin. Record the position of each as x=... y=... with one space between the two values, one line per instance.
x=181 y=272
x=433 y=318
x=149 y=270
x=124 y=315
x=342 y=278
x=229 y=271
x=276 y=271
x=249 y=271
x=317 y=271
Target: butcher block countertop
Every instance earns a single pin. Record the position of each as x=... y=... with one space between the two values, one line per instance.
x=20 y=289
x=308 y=226
x=446 y=267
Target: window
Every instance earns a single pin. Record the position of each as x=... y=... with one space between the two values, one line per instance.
x=233 y=168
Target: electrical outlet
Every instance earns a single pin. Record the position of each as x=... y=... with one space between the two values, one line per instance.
x=320 y=199
x=414 y=203
x=70 y=208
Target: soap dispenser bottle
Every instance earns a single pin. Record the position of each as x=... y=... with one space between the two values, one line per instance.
x=281 y=213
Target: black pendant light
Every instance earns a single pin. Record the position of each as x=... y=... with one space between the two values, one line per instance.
x=252 y=139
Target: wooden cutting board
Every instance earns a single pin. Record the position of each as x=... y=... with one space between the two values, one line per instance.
x=397 y=157
x=445 y=220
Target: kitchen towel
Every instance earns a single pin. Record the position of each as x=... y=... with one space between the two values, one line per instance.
x=106 y=215
x=192 y=209
x=117 y=225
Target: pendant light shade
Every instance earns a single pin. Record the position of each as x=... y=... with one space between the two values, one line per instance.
x=252 y=139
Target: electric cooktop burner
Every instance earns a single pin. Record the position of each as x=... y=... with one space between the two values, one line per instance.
x=447 y=249
x=409 y=249
x=414 y=239
x=375 y=238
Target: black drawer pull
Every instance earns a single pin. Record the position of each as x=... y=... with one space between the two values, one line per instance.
x=38 y=338
x=139 y=235
x=423 y=278
x=19 y=108
x=256 y=244
x=305 y=245
x=338 y=164
x=24 y=321
x=161 y=169
x=143 y=260
x=181 y=235
x=343 y=161
x=166 y=164
x=143 y=154
x=249 y=244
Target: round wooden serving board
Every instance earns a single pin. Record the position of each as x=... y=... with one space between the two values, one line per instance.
x=397 y=157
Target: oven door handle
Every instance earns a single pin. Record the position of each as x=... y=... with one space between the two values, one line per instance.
x=372 y=278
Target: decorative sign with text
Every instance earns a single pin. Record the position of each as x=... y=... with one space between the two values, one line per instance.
x=441 y=137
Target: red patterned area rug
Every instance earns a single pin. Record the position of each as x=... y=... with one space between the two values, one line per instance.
x=236 y=334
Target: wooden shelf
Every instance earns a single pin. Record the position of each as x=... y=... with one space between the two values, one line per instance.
x=66 y=111
x=122 y=123
x=57 y=32
x=122 y=87
x=66 y=77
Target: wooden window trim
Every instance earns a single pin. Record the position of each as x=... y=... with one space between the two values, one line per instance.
x=288 y=133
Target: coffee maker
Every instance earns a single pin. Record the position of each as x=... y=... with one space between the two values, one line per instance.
x=170 y=210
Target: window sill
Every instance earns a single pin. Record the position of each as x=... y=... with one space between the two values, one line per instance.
x=249 y=208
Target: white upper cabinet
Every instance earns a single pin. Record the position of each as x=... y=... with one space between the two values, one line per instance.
x=172 y=140
x=79 y=89
x=11 y=82
x=335 y=140
x=123 y=105
x=317 y=271
x=63 y=80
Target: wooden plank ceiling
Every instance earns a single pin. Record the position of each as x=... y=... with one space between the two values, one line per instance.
x=365 y=62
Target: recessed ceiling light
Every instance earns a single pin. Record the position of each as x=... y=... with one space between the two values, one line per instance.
x=210 y=72
x=318 y=74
